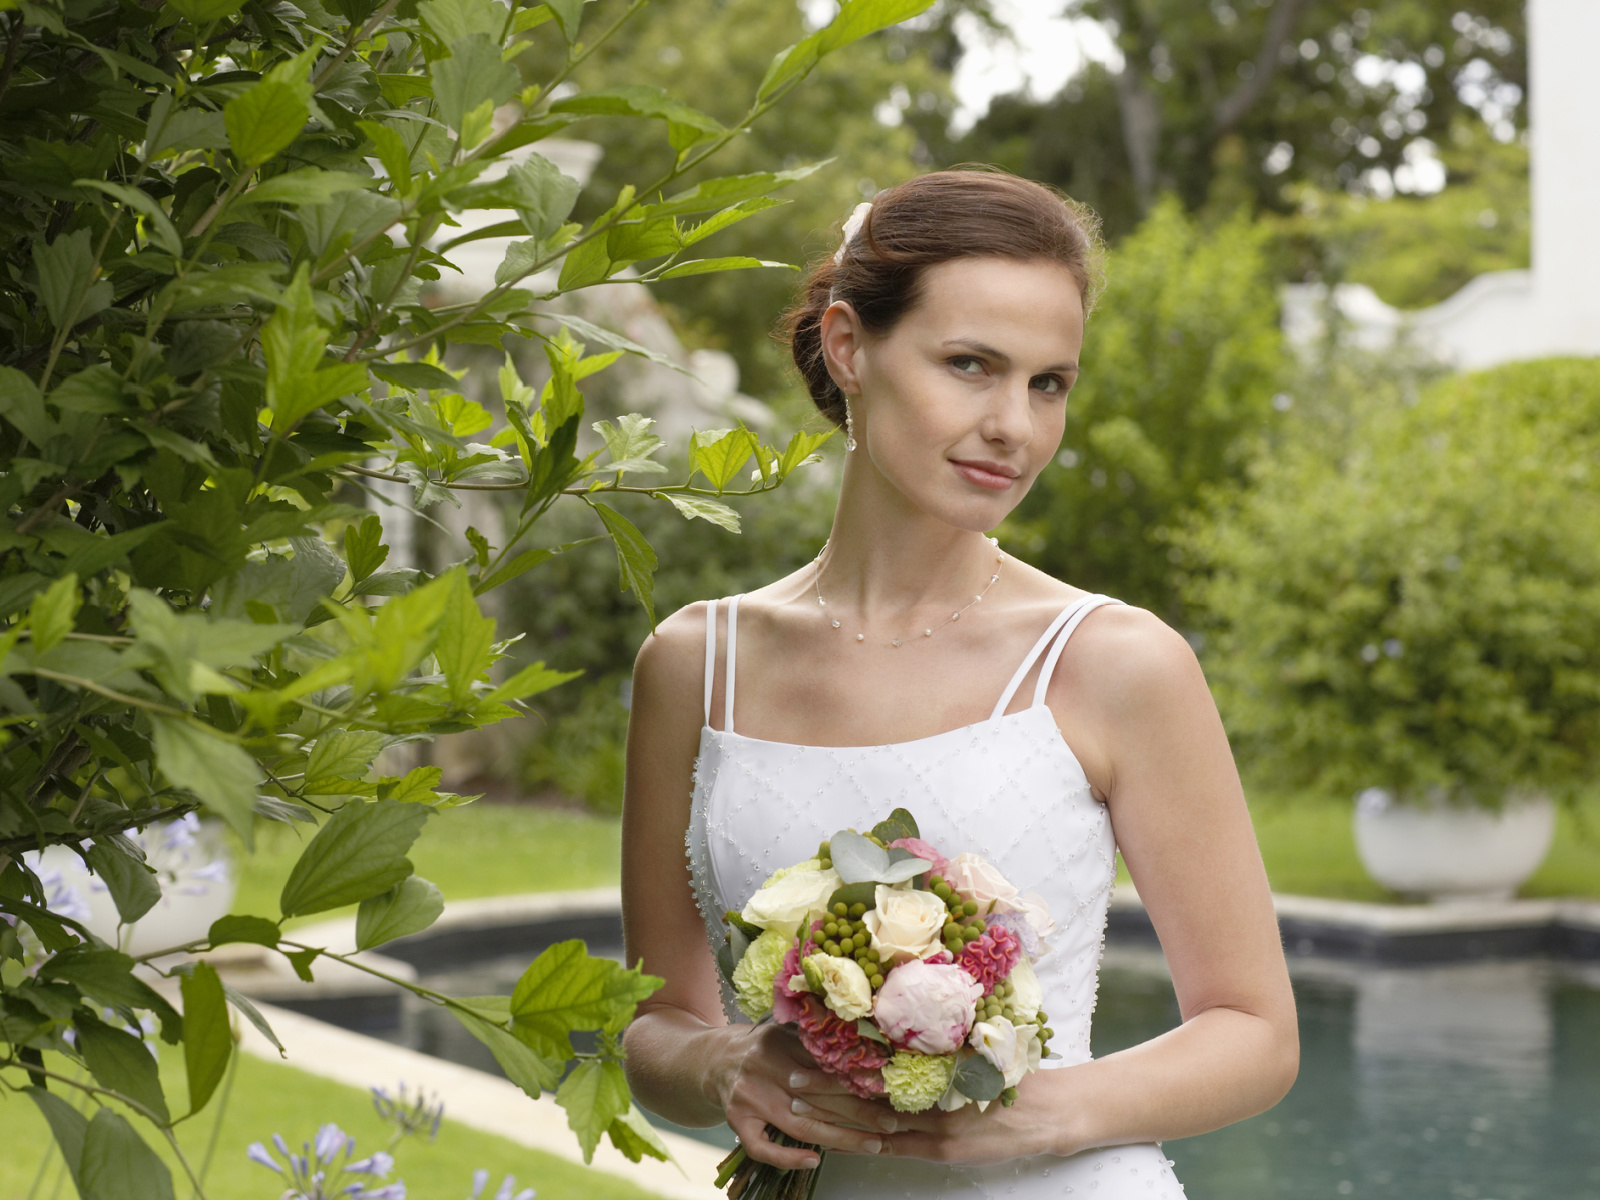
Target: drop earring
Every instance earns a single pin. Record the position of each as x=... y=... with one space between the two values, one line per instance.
x=849 y=427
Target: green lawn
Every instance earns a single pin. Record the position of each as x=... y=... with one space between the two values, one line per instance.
x=476 y=850
x=270 y=1098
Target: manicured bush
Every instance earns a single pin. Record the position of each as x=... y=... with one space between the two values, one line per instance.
x=1416 y=604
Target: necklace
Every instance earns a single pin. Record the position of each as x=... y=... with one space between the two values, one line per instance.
x=999 y=558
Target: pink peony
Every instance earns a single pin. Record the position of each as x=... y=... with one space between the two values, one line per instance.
x=937 y=863
x=927 y=1007
x=786 y=1001
x=990 y=958
x=840 y=1050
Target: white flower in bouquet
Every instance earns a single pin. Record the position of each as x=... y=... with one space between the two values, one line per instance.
x=755 y=972
x=791 y=900
x=1012 y=1049
x=1027 y=995
x=906 y=924
x=978 y=880
x=845 y=987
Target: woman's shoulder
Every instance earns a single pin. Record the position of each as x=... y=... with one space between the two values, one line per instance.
x=677 y=645
x=1135 y=661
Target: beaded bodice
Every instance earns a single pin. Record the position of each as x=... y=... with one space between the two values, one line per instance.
x=1008 y=788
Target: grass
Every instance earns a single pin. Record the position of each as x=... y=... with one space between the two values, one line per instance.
x=476 y=850
x=268 y=1098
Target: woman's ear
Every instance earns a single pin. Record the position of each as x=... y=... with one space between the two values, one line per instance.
x=842 y=338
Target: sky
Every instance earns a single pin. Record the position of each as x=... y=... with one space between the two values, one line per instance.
x=1044 y=51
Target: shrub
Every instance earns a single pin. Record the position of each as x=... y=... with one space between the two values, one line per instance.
x=220 y=219
x=1421 y=609
x=1180 y=363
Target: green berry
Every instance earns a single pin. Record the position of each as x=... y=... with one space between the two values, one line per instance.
x=1048 y=1033
x=953 y=945
x=831 y=928
x=858 y=909
x=1008 y=1012
x=847 y=946
x=1042 y=1017
x=969 y=934
x=825 y=864
x=970 y=908
x=951 y=929
x=818 y=936
x=831 y=947
x=824 y=850
x=1008 y=1097
x=873 y=955
x=979 y=926
x=876 y=981
x=841 y=909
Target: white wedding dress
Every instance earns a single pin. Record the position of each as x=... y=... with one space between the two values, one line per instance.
x=1007 y=788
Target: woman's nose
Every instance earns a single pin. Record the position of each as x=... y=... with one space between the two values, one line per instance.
x=1009 y=421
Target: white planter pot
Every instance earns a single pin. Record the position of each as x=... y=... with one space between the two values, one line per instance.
x=1452 y=853
x=197 y=886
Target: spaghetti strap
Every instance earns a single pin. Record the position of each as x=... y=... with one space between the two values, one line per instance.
x=1033 y=655
x=727 y=670
x=1084 y=609
x=711 y=653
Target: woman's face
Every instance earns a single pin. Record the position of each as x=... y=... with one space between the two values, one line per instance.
x=963 y=403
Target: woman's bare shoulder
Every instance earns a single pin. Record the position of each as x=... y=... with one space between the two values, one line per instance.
x=1138 y=662
x=673 y=656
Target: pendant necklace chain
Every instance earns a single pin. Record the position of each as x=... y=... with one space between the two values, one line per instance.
x=999 y=559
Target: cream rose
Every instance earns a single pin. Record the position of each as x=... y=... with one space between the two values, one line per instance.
x=976 y=879
x=1027 y=995
x=845 y=987
x=1013 y=1050
x=905 y=924
x=786 y=903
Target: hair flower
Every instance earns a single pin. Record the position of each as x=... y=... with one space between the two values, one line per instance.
x=858 y=218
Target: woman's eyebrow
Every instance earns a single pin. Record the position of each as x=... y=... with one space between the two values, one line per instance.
x=989 y=351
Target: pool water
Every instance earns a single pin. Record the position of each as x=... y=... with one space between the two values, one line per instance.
x=1476 y=1081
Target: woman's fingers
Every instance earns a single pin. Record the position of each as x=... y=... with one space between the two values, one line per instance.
x=848 y=1110
x=773 y=1106
x=752 y=1131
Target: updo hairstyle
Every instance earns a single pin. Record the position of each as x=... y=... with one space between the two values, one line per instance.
x=936 y=218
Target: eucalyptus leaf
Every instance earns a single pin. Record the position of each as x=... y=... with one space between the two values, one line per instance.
x=978 y=1079
x=859 y=860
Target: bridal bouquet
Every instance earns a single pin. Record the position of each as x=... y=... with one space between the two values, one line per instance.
x=907 y=976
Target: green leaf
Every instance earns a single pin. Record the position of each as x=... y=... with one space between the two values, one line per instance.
x=253 y=1015
x=564 y=990
x=117 y=1165
x=706 y=266
x=409 y=907
x=67 y=1124
x=720 y=454
x=585 y=264
x=341 y=754
x=978 y=1079
x=207 y=1037
x=597 y=334
x=106 y=976
x=633 y=1134
x=392 y=153
x=219 y=772
x=706 y=509
x=636 y=561
x=728 y=190
x=856 y=20
x=452 y=20
x=630 y=444
x=202 y=12
x=188 y=129
x=52 y=613
x=568 y=15
x=94 y=390
x=22 y=404
x=360 y=852
x=594 y=1095
x=731 y=215
x=310 y=185
x=300 y=378
x=67 y=279
x=364 y=550
x=301 y=961
x=465 y=646
x=855 y=893
x=232 y=928
x=543 y=196
x=415 y=375
x=160 y=227
x=686 y=126
x=474 y=74
x=134 y=887
x=898 y=824
x=532 y=1072
x=529 y=681
x=264 y=119
x=121 y=1062
x=801 y=450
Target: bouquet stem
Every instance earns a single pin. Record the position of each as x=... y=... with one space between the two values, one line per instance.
x=747 y=1179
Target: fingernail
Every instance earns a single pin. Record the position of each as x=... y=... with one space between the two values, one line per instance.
x=811 y=1164
x=872 y=1145
x=798 y=1079
x=799 y=1107
x=888 y=1124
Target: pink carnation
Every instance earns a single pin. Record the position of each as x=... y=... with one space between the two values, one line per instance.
x=786 y=1001
x=937 y=863
x=840 y=1050
x=990 y=958
x=927 y=1007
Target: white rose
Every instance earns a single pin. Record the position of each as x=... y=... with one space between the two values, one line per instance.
x=1027 y=996
x=1035 y=910
x=977 y=880
x=786 y=903
x=810 y=864
x=845 y=987
x=906 y=924
x=1013 y=1050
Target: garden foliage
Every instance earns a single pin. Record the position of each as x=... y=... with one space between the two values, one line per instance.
x=220 y=220
x=1413 y=603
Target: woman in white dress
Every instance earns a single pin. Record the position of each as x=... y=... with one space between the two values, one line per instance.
x=944 y=338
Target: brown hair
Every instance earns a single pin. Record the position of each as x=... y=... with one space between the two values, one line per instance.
x=967 y=212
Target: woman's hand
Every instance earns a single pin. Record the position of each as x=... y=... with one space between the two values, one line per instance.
x=769 y=1079
x=1033 y=1125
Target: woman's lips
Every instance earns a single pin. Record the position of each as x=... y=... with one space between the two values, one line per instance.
x=990 y=476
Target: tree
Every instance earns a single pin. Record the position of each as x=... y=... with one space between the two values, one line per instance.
x=1231 y=101
x=221 y=219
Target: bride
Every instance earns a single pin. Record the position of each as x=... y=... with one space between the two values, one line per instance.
x=916 y=663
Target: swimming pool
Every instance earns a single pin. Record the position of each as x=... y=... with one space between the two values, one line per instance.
x=1473 y=1081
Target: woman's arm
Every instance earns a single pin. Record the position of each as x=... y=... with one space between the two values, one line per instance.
x=685 y=1061
x=1146 y=730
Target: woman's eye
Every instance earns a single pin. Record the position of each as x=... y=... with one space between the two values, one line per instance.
x=1050 y=385
x=966 y=364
